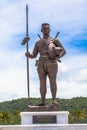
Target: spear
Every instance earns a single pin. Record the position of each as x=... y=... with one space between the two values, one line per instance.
x=27 y=48
x=27 y=51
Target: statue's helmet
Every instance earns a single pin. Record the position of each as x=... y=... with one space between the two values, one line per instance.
x=53 y=50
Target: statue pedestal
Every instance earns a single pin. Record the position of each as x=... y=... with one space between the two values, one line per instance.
x=46 y=117
x=52 y=107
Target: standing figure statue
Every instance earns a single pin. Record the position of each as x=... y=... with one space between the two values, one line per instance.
x=50 y=50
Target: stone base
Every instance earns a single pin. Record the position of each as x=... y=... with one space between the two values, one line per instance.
x=52 y=107
x=56 y=117
x=45 y=127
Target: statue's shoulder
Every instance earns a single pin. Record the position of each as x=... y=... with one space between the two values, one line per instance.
x=39 y=42
x=54 y=39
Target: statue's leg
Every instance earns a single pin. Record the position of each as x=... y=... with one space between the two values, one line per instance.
x=53 y=67
x=43 y=88
x=53 y=86
x=42 y=77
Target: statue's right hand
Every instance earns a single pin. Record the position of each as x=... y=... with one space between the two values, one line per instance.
x=27 y=54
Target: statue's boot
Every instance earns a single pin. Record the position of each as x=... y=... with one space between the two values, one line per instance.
x=54 y=101
x=42 y=103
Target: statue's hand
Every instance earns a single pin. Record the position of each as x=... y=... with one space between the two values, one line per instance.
x=27 y=54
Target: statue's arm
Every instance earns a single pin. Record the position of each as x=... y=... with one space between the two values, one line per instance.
x=34 y=53
x=59 y=44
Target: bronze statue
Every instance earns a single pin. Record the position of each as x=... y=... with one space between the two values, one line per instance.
x=50 y=50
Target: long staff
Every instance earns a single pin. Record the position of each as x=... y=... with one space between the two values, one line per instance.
x=27 y=48
x=27 y=51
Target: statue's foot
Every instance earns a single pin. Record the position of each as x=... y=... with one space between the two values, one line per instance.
x=55 y=102
x=41 y=104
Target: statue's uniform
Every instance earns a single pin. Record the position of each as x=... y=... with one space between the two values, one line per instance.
x=46 y=65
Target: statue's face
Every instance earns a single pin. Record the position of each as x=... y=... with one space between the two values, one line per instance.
x=46 y=29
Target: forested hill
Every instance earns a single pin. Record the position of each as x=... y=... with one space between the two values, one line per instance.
x=78 y=103
x=77 y=108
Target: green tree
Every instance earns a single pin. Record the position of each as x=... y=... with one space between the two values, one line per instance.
x=6 y=118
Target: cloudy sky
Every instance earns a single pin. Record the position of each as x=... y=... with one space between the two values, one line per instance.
x=67 y=17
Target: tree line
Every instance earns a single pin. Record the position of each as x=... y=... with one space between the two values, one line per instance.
x=10 y=110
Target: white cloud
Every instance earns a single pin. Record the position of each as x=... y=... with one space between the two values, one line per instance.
x=82 y=76
x=64 y=14
x=71 y=89
x=63 y=67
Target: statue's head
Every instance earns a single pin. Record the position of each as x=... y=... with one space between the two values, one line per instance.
x=45 y=27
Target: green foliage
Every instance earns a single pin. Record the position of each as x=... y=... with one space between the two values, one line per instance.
x=10 y=110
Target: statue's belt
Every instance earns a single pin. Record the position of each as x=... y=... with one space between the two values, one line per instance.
x=44 y=58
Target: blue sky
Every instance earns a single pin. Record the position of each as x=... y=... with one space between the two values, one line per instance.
x=68 y=17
